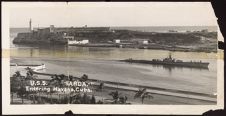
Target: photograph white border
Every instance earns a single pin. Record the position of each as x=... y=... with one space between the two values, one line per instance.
x=7 y=108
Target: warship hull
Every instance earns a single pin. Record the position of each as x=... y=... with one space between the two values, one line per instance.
x=173 y=64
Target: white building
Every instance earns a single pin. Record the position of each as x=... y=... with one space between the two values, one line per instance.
x=86 y=41
x=117 y=40
x=145 y=42
x=69 y=38
x=51 y=28
x=203 y=38
x=76 y=42
x=72 y=40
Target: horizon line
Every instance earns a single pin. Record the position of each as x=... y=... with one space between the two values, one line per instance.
x=128 y=26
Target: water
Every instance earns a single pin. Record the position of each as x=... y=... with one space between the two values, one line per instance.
x=99 y=63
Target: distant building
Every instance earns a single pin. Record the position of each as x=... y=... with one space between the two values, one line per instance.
x=85 y=41
x=172 y=31
x=204 y=30
x=77 y=42
x=69 y=38
x=145 y=42
x=117 y=40
x=140 y=41
x=202 y=38
x=51 y=28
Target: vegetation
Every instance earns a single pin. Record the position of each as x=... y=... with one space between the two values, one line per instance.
x=142 y=93
x=117 y=98
x=18 y=83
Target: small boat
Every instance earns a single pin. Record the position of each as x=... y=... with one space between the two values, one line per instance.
x=40 y=67
x=30 y=66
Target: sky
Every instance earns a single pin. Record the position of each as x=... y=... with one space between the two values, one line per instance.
x=112 y=14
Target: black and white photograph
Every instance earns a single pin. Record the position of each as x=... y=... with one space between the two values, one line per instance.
x=141 y=54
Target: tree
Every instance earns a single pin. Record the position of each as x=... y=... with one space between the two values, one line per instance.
x=101 y=86
x=29 y=75
x=15 y=84
x=21 y=92
x=84 y=77
x=142 y=93
x=146 y=95
x=18 y=85
x=77 y=99
x=85 y=99
x=62 y=77
x=122 y=100
x=70 y=78
x=93 y=100
x=99 y=102
x=17 y=74
x=57 y=80
x=115 y=96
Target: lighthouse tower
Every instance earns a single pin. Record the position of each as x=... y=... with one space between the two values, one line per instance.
x=30 y=26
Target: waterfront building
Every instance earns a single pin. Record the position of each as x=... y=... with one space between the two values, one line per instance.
x=51 y=28
x=145 y=42
x=77 y=42
x=117 y=40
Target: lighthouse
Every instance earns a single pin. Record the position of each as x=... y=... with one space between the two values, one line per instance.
x=30 y=26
